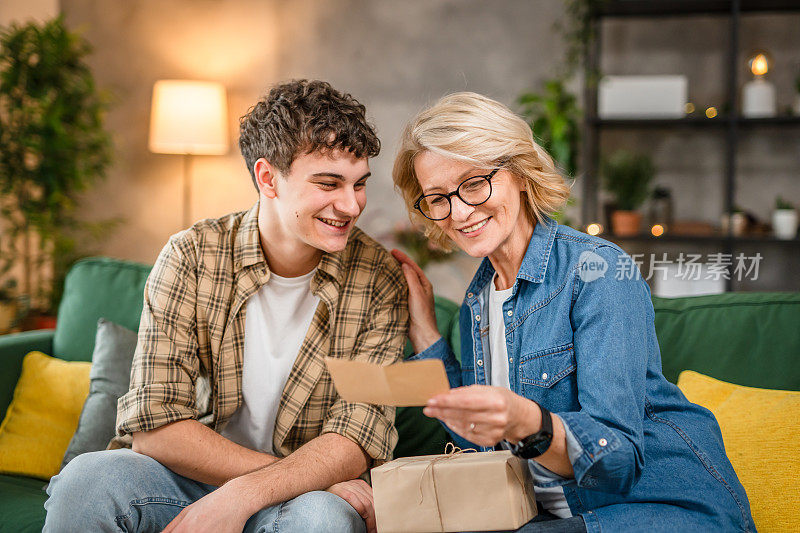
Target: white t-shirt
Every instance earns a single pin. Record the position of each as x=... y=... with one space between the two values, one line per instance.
x=551 y=498
x=497 y=336
x=276 y=322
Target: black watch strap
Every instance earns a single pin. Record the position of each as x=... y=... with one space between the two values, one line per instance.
x=538 y=443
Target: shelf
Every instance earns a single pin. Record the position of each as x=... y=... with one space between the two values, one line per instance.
x=771 y=121
x=670 y=8
x=692 y=122
x=659 y=123
x=701 y=239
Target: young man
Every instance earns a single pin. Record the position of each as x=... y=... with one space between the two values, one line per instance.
x=250 y=304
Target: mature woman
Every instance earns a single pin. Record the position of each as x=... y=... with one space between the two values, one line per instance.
x=559 y=358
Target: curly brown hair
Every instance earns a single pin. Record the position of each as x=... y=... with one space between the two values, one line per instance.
x=304 y=116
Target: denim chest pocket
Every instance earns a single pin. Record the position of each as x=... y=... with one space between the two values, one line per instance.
x=546 y=368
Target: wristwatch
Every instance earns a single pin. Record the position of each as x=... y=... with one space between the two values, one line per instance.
x=538 y=443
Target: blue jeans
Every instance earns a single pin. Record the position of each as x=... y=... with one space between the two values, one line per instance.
x=121 y=490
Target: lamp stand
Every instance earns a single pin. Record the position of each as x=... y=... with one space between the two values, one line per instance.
x=187 y=190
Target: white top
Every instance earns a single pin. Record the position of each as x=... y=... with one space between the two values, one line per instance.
x=551 y=498
x=497 y=336
x=276 y=321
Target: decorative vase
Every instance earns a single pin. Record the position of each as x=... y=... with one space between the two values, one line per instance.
x=626 y=223
x=784 y=223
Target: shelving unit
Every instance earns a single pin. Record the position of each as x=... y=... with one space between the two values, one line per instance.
x=730 y=12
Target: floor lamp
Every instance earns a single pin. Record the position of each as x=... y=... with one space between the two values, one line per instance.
x=188 y=118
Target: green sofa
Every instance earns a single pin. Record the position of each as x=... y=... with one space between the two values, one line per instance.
x=744 y=338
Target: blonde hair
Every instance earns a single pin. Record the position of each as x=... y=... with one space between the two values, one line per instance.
x=474 y=129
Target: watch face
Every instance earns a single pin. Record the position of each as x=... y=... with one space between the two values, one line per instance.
x=535 y=447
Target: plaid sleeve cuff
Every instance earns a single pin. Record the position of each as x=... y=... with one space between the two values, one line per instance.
x=369 y=426
x=151 y=406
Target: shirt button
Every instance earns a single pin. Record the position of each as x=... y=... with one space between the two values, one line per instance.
x=544 y=375
x=602 y=442
x=470 y=295
x=478 y=318
x=480 y=362
x=510 y=312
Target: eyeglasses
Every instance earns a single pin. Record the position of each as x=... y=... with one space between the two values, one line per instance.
x=472 y=191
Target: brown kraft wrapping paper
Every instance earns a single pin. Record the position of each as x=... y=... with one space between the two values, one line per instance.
x=481 y=491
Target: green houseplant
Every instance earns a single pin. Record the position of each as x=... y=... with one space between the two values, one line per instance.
x=52 y=148
x=553 y=112
x=554 y=117
x=627 y=177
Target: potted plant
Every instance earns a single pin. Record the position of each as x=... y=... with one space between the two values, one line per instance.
x=627 y=178
x=554 y=116
x=52 y=148
x=784 y=219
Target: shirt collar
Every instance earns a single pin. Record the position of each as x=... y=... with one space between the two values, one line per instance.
x=247 y=250
x=534 y=264
x=247 y=247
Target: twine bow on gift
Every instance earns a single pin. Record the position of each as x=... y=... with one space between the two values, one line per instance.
x=450 y=451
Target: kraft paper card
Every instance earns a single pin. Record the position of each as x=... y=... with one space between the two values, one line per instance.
x=483 y=491
x=400 y=384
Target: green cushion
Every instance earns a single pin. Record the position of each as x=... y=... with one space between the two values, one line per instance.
x=21 y=504
x=750 y=339
x=97 y=288
x=418 y=434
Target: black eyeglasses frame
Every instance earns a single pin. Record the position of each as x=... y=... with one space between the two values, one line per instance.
x=488 y=177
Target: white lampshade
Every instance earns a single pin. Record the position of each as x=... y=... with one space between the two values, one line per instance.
x=189 y=117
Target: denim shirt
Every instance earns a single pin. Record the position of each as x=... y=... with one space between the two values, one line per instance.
x=581 y=342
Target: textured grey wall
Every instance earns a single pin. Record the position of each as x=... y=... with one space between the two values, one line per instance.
x=396 y=57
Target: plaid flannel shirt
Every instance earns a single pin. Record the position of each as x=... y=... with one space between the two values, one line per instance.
x=192 y=330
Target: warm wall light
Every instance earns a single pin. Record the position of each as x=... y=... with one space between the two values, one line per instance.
x=594 y=229
x=711 y=112
x=188 y=118
x=657 y=230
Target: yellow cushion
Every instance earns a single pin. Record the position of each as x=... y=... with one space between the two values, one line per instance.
x=761 y=430
x=43 y=415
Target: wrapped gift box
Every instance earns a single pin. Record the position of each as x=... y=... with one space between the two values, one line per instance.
x=480 y=491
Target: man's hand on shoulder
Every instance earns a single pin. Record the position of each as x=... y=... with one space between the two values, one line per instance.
x=358 y=494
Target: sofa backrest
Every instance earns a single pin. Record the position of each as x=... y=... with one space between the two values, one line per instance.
x=114 y=289
x=97 y=287
x=750 y=339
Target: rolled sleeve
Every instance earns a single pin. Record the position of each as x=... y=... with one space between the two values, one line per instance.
x=165 y=364
x=543 y=476
x=369 y=426
x=612 y=319
x=381 y=341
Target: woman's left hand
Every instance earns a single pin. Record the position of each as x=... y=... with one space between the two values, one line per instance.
x=486 y=415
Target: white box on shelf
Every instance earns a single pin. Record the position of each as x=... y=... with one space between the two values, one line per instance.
x=642 y=97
